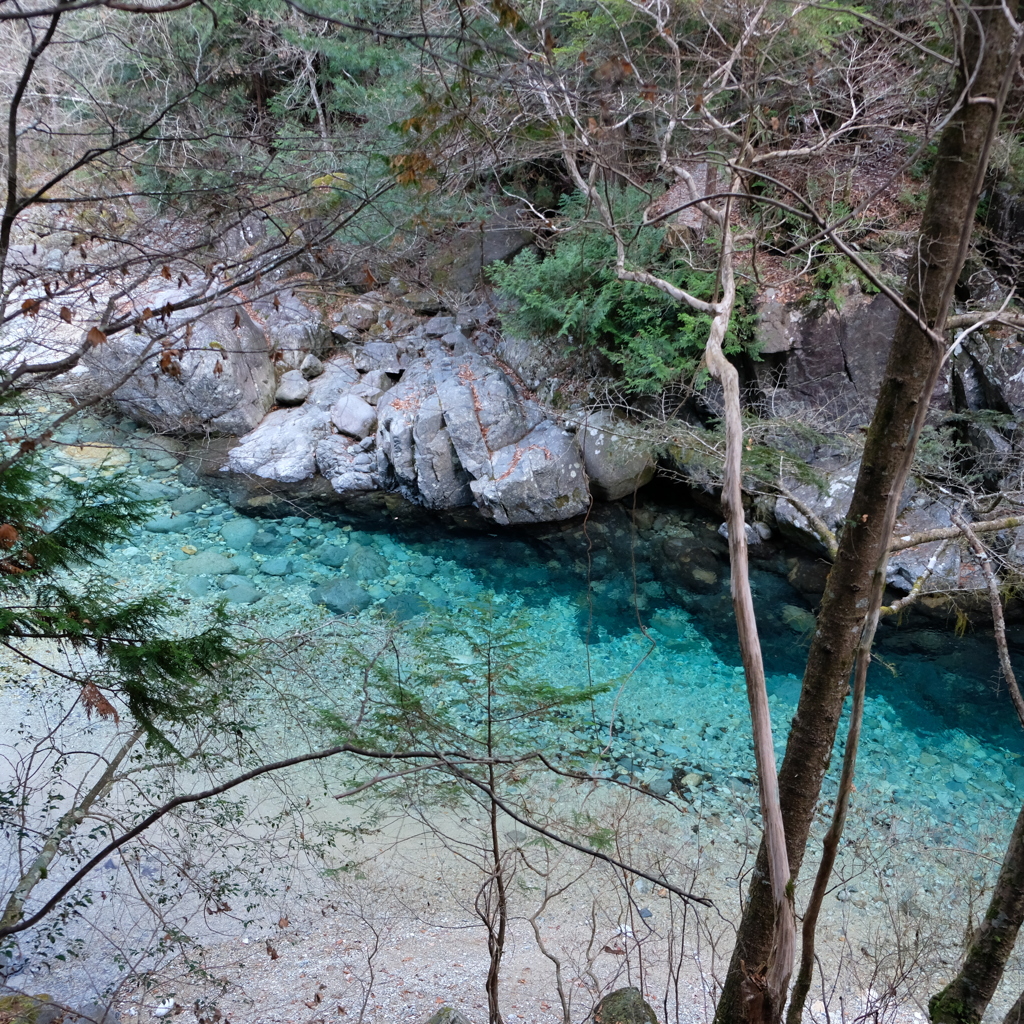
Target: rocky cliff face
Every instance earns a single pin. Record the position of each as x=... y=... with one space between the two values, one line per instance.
x=371 y=396
x=214 y=374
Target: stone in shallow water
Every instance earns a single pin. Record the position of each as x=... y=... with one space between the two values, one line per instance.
x=277 y=566
x=107 y=456
x=331 y=556
x=206 y=563
x=190 y=501
x=660 y=787
x=238 y=533
x=267 y=543
x=365 y=563
x=243 y=593
x=197 y=586
x=403 y=607
x=150 y=490
x=343 y=597
x=232 y=580
x=434 y=594
x=422 y=566
x=169 y=524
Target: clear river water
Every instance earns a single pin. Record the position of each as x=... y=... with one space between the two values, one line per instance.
x=637 y=598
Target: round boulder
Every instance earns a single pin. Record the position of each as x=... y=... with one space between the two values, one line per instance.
x=343 y=597
x=293 y=388
x=616 y=460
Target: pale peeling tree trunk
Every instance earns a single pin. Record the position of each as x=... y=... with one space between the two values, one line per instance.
x=852 y=587
x=772 y=982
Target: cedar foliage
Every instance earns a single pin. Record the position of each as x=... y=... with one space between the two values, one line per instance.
x=573 y=293
x=54 y=587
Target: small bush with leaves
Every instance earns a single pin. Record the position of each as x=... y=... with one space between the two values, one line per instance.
x=574 y=293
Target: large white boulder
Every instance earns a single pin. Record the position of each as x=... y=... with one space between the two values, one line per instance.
x=215 y=376
x=283 y=447
x=538 y=479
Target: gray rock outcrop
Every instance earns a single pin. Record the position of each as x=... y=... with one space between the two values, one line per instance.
x=293 y=329
x=454 y=431
x=293 y=388
x=481 y=409
x=283 y=447
x=441 y=479
x=537 y=479
x=219 y=377
x=827 y=364
x=311 y=366
x=348 y=469
x=831 y=502
x=352 y=416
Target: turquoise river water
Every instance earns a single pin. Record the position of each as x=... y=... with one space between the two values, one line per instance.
x=607 y=601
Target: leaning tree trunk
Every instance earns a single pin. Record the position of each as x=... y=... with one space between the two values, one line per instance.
x=910 y=374
x=965 y=999
x=1016 y=1013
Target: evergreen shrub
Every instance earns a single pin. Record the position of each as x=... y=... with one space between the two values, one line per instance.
x=572 y=293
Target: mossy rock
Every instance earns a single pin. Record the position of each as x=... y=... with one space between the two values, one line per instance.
x=448 y=1015
x=624 y=1006
x=17 y=1008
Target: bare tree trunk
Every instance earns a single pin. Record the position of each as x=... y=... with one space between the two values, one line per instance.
x=830 y=847
x=911 y=372
x=1016 y=1013
x=965 y=998
x=65 y=826
x=767 y=987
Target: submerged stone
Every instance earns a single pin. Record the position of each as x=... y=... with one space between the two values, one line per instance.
x=422 y=566
x=243 y=593
x=402 y=607
x=244 y=564
x=277 y=566
x=343 y=597
x=331 y=556
x=365 y=563
x=197 y=586
x=267 y=543
x=239 y=533
x=151 y=490
x=206 y=563
x=434 y=594
x=169 y=524
x=190 y=501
